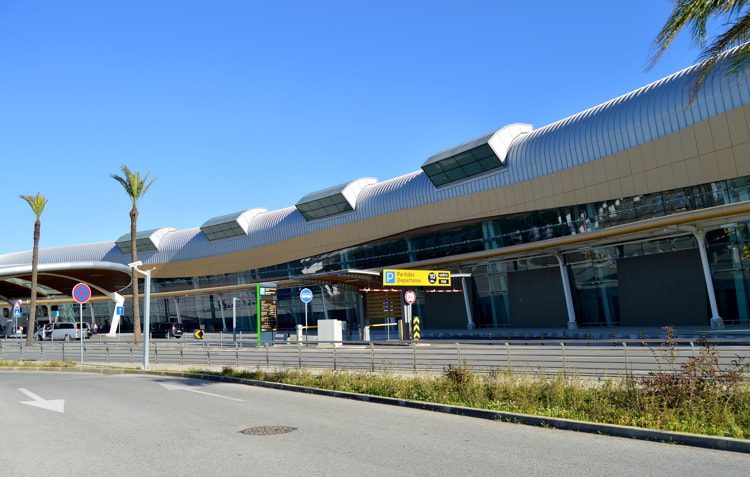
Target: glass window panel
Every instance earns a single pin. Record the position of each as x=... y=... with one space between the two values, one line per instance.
x=440 y=179
x=489 y=163
x=482 y=151
x=449 y=163
x=433 y=168
x=464 y=158
x=455 y=174
x=473 y=169
x=325 y=201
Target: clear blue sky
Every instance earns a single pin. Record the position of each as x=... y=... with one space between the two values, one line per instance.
x=240 y=104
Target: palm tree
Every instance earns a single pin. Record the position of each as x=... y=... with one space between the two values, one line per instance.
x=136 y=186
x=37 y=203
x=696 y=14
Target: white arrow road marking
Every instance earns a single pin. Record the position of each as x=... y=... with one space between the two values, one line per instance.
x=57 y=405
x=182 y=387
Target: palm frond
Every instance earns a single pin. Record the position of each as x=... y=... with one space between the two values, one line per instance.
x=37 y=203
x=133 y=182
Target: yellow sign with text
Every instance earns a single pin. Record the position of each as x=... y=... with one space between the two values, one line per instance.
x=416 y=278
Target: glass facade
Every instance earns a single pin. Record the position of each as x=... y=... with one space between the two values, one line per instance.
x=593 y=274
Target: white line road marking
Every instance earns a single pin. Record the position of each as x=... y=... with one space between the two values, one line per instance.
x=182 y=387
x=56 y=405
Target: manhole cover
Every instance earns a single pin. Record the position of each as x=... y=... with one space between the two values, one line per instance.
x=267 y=430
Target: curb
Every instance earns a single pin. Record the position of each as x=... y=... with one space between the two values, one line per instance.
x=681 y=438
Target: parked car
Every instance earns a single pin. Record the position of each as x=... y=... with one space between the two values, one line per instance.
x=86 y=327
x=166 y=330
x=59 y=331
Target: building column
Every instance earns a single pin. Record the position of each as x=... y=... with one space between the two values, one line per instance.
x=467 y=302
x=572 y=324
x=717 y=322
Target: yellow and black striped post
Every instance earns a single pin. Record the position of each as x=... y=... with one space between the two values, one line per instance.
x=416 y=333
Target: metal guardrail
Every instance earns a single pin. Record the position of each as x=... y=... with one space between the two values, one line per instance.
x=599 y=358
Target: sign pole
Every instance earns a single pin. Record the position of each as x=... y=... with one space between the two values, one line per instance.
x=81 y=294
x=80 y=329
x=305 y=296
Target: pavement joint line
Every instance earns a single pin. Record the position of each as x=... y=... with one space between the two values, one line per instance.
x=613 y=430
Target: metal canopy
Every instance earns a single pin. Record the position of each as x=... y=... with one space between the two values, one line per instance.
x=103 y=277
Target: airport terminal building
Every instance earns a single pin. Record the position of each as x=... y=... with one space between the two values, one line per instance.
x=633 y=213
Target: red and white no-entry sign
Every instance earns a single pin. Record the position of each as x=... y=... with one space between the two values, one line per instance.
x=410 y=296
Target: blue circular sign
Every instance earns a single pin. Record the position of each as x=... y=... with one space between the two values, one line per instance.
x=81 y=293
x=305 y=295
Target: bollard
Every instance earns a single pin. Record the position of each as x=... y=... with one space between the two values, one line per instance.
x=299 y=333
x=366 y=333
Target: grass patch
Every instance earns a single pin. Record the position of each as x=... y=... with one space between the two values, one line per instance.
x=696 y=397
x=9 y=363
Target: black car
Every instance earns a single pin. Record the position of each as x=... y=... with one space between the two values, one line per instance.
x=166 y=330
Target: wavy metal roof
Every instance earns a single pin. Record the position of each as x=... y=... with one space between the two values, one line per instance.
x=643 y=115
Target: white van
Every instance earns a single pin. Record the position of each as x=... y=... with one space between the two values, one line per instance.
x=58 y=331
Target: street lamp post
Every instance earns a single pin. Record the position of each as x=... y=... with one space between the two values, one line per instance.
x=146 y=311
x=234 y=318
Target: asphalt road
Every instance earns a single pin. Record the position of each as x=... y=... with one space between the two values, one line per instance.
x=126 y=425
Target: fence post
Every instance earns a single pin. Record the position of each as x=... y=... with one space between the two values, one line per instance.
x=20 y=351
x=236 y=354
x=458 y=353
x=334 y=356
x=156 y=353
x=208 y=356
x=299 y=355
x=130 y=360
x=182 y=358
x=625 y=355
x=63 y=350
x=564 y=360
x=268 y=361
x=106 y=351
x=84 y=353
x=507 y=355
x=372 y=357
x=414 y=356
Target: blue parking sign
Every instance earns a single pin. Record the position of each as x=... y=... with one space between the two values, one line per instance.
x=120 y=310
x=390 y=277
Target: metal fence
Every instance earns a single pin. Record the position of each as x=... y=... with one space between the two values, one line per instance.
x=584 y=358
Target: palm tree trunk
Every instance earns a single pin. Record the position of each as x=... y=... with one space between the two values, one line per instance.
x=134 y=258
x=34 y=263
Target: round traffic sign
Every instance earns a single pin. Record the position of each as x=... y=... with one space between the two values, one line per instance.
x=81 y=293
x=410 y=297
x=305 y=295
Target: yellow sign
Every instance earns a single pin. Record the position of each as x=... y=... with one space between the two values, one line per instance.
x=416 y=278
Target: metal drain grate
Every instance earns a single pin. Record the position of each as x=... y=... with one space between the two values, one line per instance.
x=267 y=430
